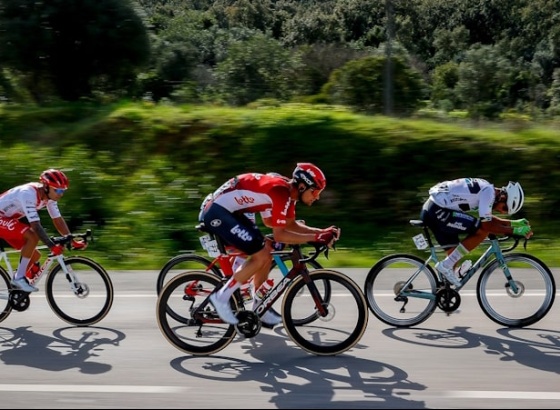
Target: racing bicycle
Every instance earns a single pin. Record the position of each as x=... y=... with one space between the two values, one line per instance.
x=514 y=289
x=78 y=289
x=222 y=265
x=337 y=324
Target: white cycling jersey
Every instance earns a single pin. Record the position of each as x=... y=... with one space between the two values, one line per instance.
x=25 y=201
x=465 y=194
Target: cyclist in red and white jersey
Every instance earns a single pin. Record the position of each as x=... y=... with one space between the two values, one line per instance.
x=274 y=197
x=446 y=213
x=24 y=201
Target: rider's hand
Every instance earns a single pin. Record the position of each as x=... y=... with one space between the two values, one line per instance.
x=517 y=223
x=335 y=230
x=57 y=250
x=79 y=244
x=327 y=236
x=524 y=230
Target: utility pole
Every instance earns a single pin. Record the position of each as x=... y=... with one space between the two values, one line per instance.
x=388 y=86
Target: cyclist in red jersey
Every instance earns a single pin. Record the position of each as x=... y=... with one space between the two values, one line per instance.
x=274 y=197
x=24 y=201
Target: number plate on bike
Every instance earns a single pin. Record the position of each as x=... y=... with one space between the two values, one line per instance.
x=420 y=241
x=210 y=245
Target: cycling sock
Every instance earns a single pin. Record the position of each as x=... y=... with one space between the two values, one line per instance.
x=455 y=256
x=22 y=268
x=227 y=290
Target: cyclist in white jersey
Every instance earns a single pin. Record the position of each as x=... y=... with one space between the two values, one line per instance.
x=24 y=201
x=466 y=206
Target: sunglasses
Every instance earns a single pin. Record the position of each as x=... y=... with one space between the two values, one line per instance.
x=59 y=191
x=315 y=192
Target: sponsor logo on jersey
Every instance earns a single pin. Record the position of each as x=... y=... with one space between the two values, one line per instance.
x=461 y=215
x=285 y=211
x=456 y=225
x=244 y=200
x=241 y=233
x=8 y=224
x=215 y=222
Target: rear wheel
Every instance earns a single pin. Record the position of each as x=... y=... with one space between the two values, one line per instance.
x=390 y=301
x=200 y=331
x=5 y=286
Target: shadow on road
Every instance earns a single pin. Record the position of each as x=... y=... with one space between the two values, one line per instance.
x=297 y=379
x=536 y=348
x=67 y=348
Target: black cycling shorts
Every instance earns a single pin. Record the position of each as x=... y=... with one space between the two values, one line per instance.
x=234 y=228
x=448 y=224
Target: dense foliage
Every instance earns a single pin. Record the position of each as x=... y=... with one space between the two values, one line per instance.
x=139 y=171
x=500 y=56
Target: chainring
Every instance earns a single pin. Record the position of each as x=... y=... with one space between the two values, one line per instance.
x=19 y=300
x=249 y=323
x=448 y=299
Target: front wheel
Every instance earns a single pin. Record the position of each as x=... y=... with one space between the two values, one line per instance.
x=346 y=314
x=527 y=301
x=84 y=295
x=200 y=331
x=283 y=266
x=401 y=290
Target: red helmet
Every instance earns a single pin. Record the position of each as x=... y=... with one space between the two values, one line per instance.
x=54 y=178
x=310 y=175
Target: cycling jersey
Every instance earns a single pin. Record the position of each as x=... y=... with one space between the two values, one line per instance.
x=465 y=194
x=253 y=192
x=24 y=201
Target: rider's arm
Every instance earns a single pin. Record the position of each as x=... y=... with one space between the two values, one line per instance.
x=498 y=226
x=40 y=231
x=61 y=226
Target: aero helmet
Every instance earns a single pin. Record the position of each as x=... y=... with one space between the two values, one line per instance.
x=515 y=197
x=54 y=178
x=310 y=175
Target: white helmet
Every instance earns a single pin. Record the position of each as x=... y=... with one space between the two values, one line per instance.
x=515 y=197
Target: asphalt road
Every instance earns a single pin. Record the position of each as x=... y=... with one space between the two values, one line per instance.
x=459 y=361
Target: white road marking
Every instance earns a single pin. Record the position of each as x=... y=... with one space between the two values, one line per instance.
x=514 y=395
x=88 y=388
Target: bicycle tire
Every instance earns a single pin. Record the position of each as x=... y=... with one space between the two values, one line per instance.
x=5 y=287
x=183 y=263
x=533 y=278
x=187 y=292
x=325 y=289
x=346 y=320
x=384 y=282
x=95 y=287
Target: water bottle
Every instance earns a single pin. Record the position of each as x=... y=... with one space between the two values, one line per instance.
x=33 y=272
x=264 y=289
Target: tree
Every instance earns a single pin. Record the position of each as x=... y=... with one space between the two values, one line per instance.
x=360 y=84
x=69 y=48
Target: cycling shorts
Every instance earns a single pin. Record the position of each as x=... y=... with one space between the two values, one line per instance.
x=448 y=224
x=12 y=230
x=234 y=228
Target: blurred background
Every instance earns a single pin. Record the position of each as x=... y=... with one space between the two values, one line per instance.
x=150 y=105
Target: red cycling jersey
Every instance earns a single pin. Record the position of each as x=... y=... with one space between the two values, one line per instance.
x=254 y=192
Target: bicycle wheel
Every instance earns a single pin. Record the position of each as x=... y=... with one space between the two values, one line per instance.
x=203 y=333
x=384 y=290
x=92 y=297
x=181 y=264
x=534 y=296
x=5 y=286
x=342 y=327
x=324 y=288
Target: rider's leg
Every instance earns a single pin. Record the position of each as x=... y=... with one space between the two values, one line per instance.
x=28 y=253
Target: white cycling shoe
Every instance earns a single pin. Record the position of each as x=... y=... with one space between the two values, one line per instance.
x=449 y=274
x=24 y=285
